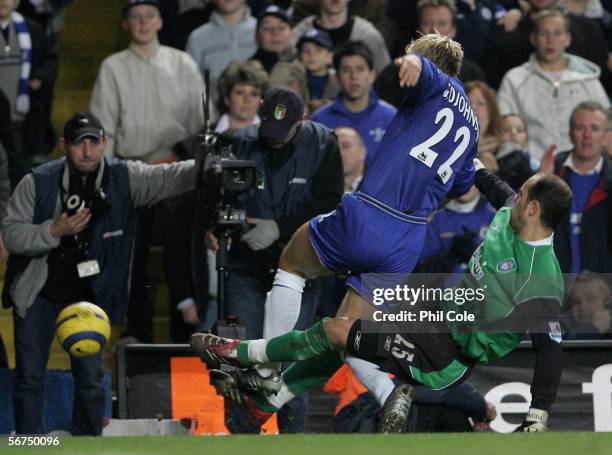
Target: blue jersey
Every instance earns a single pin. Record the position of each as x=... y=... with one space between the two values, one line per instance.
x=428 y=148
x=371 y=123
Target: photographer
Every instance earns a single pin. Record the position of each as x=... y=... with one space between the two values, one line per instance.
x=70 y=229
x=300 y=175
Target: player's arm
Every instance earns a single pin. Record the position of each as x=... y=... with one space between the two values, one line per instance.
x=542 y=315
x=494 y=189
x=463 y=397
x=419 y=77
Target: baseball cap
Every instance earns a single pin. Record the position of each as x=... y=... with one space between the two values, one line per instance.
x=273 y=10
x=129 y=4
x=83 y=124
x=281 y=109
x=319 y=37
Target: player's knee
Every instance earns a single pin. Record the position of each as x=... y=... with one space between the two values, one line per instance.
x=337 y=330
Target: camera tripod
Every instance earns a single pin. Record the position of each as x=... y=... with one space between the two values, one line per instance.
x=227 y=326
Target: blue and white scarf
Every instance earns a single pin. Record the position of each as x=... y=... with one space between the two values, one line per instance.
x=25 y=43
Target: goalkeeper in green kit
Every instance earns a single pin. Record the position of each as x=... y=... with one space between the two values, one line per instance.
x=515 y=265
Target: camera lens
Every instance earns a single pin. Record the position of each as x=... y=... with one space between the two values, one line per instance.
x=237 y=177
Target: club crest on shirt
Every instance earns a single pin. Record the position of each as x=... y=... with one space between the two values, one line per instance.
x=280 y=111
x=377 y=134
x=507 y=265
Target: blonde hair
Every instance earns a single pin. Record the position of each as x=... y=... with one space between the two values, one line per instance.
x=444 y=52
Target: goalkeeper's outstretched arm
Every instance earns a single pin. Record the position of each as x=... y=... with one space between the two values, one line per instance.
x=545 y=332
x=494 y=189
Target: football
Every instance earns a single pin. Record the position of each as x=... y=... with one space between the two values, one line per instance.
x=82 y=329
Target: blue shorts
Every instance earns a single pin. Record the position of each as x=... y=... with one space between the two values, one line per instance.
x=364 y=236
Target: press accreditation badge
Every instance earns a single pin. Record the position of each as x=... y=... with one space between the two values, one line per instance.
x=88 y=268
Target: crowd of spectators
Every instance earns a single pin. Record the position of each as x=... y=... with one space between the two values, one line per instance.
x=538 y=74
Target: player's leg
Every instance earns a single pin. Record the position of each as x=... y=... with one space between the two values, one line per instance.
x=431 y=359
x=301 y=376
x=253 y=391
x=346 y=333
x=289 y=347
x=366 y=359
x=378 y=382
x=298 y=262
x=306 y=347
x=326 y=337
x=245 y=386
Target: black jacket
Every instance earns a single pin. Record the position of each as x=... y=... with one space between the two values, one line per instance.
x=596 y=241
x=302 y=180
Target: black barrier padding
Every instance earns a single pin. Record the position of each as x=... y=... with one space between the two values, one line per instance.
x=144 y=388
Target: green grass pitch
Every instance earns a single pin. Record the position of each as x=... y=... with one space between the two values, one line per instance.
x=313 y=444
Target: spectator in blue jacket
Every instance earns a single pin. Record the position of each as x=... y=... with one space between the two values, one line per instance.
x=357 y=106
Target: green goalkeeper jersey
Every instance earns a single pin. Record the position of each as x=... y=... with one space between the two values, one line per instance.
x=513 y=275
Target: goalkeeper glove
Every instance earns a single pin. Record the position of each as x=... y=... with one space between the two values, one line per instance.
x=535 y=421
x=463 y=246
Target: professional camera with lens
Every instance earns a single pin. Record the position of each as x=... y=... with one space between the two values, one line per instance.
x=225 y=181
x=93 y=200
x=222 y=184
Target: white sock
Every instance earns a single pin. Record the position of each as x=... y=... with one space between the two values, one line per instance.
x=376 y=381
x=282 y=397
x=282 y=309
x=257 y=351
x=283 y=304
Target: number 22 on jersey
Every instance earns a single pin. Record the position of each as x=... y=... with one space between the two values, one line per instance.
x=426 y=155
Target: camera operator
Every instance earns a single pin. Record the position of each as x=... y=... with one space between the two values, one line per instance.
x=300 y=175
x=70 y=229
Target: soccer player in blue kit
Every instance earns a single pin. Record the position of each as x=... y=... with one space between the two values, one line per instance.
x=426 y=155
